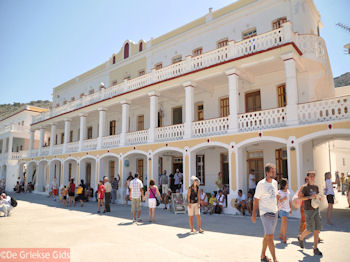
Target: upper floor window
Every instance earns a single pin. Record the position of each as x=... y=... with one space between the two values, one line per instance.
x=114 y=82
x=177 y=59
x=252 y=101
x=113 y=59
x=222 y=43
x=140 y=122
x=224 y=107
x=112 y=127
x=249 y=33
x=158 y=66
x=127 y=78
x=140 y=47
x=197 y=51
x=70 y=136
x=81 y=95
x=141 y=72
x=91 y=91
x=278 y=22
x=72 y=98
x=126 y=50
x=89 y=132
x=281 y=95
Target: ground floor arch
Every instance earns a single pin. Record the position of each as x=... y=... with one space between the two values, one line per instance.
x=88 y=172
x=43 y=181
x=109 y=167
x=70 y=171
x=56 y=172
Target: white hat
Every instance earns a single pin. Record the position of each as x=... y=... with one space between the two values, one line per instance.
x=193 y=178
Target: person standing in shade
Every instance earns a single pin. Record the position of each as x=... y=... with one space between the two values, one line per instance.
x=163 y=182
x=127 y=188
x=115 y=186
x=312 y=212
x=193 y=204
x=337 y=180
x=54 y=189
x=219 y=182
x=252 y=181
x=108 y=195
x=82 y=194
x=152 y=191
x=71 y=192
x=342 y=182
x=266 y=199
x=178 y=179
x=136 y=195
x=329 y=192
x=100 y=196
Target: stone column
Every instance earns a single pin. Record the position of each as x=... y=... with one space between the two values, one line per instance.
x=41 y=142
x=153 y=116
x=189 y=108
x=53 y=138
x=233 y=78
x=31 y=141
x=66 y=134
x=101 y=127
x=10 y=146
x=125 y=121
x=82 y=131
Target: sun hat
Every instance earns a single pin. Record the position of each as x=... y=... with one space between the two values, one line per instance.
x=193 y=178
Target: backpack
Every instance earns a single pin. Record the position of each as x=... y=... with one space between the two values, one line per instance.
x=13 y=202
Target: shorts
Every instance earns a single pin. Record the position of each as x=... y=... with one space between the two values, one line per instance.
x=330 y=199
x=135 y=204
x=164 y=189
x=269 y=221
x=283 y=213
x=313 y=220
x=152 y=203
x=71 y=194
x=64 y=197
x=193 y=209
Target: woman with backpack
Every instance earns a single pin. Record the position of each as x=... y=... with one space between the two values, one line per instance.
x=153 y=202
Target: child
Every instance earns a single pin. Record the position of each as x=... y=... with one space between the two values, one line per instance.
x=284 y=210
x=212 y=204
x=250 y=200
x=64 y=193
x=100 y=197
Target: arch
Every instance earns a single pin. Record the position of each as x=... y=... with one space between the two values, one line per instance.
x=135 y=152
x=126 y=50
x=70 y=158
x=253 y=140
x=159 y=150
x=204 y=145
x=43 y=160
x=105 y=168
x=109 y=155
x=32 y=162
x=86 y=157
x=319 y=134
x=88 y=170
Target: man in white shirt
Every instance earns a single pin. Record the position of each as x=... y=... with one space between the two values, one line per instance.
x=252 y=181
x=136 y=193
x=266 y=199
x=178 y=179
x=241 y=202
x=5 y=204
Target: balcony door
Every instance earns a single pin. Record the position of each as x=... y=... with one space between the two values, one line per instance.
x=177 y=115
x=256 y=161
x=140 y=168
x=88 y=175
x=111 y=170
x=252 y=101
x=140 y=122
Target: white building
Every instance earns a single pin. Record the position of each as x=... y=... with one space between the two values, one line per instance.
x=233 y=90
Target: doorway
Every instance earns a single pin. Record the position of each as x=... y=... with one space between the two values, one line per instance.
x=88 y=175
x=224 y=168
x=256 y=161
x=177 y=164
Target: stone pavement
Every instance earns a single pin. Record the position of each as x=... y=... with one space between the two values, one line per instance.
x=40 y=222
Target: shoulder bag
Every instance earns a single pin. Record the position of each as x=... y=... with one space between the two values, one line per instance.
x=158 y=203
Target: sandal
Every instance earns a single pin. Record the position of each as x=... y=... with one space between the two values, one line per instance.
x=266 y=259
x=193 y=231
x=201 y=231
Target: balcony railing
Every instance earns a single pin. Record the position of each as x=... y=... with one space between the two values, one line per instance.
x=111 y=141
x=214 y=126
x=138 y=137
x=13 y=128
x=168 y=133
x=57 y=149
x=90 y=144
x=72 y=147
x=258 y=120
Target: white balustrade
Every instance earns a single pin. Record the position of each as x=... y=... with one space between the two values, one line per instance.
x=138 y=137
x=45 y=151
x=90 y=144
x=325 y=110
x=214 y=126
x=19 y=155
x=258 y=120
x=34 y=153
x=72 y=147
x=314 y=47
x=111 y=141
x=166 y=133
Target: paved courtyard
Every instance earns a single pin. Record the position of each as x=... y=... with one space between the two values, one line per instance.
x=39 y=222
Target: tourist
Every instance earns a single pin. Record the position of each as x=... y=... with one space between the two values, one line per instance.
x=71 y=192
x=108 y=194
x=163 y=182
x=284 y=208
x=342 y=182
x=329 y=192
x=348 y=188
x=204 y=202
x=100 y=196
x=310 y=195
x=81 y=191
x=220 y=202
x=115 y=186
x=151 y=193
x=127 y=188
x=193 y=204
x=178 y=177
x=212 y=203
x=240 y=202
x=54 y=189
x=252 y=181
x=337 y=180
x=64 y=193
x=302 y=226
x=172 y=183
x=250 y=200
x=167 y=199
x=266 y=199
x=136 y=196
x=5 y=204
x=16 y=188
x=219 y=181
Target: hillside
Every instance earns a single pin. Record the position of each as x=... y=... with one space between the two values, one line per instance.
x=342 y=80
x=9 y=108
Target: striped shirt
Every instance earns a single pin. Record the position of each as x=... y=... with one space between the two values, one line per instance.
x=135 y=186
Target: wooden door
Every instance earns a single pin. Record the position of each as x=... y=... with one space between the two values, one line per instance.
x=111 y=170
x=252 y=102
x=88 y=175
x=224 y=168
x=281 y=164
x=258 y=165
x=140 y=122
x=200 y=112
x=140 y=168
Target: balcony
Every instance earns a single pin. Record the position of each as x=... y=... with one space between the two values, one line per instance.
x=14 y=128
x=312 y=47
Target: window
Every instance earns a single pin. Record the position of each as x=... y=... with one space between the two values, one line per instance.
x=21 y=147
x=160 y=118
x=127 y=78
x=89 y=132
x=78 y=134
x=177 y=115
x=200 y=112
x=249 y=33
x=69 y=171
x=91 y=91
x=278 y=22
x=140 y=47
x=71 y=136
x=56 y=139
x=81 y=95
x=112 y=125
x=140 y=122
x=281 y=95
x=200 y=170
x=141 y=72
x=222 y=43
x=140 y=168
x=126 y=50
x=197 y=51
x=252 y=102
x=72 y=98
x=176 y=59
x=62 y=138
x=111 y=170
x=158 y=66
x=115 y=82
x=224 y=107
x=48 y=141
x=113 y=59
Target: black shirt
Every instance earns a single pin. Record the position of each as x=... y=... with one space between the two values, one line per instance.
x=194 y=195
x=309 y=190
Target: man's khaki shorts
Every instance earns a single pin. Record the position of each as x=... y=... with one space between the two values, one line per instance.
x=135 y=204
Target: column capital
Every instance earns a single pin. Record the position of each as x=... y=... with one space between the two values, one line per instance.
x=82 y=115
x=153 y=93
x=102 y=109
x=65 y=120
x=232 y=71
x=293 y=56
x=189 y=83
x=125 y=101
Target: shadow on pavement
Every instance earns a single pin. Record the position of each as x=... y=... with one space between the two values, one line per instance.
x=309 y=258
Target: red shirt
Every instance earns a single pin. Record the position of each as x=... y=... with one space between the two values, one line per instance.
x=101 y=191
x=72 y=187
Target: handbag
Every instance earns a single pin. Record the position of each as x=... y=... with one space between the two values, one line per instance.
x=296 y=202
x=158 y=203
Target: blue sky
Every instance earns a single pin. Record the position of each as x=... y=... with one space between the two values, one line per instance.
x=45 y=43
